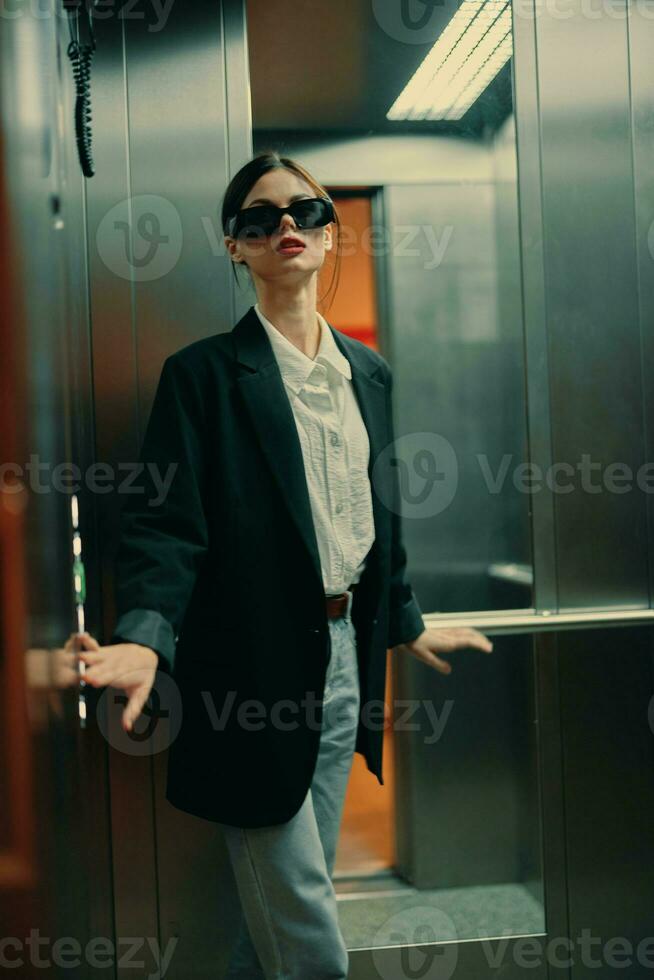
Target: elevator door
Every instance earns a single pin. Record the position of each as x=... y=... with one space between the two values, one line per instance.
x=55 y=848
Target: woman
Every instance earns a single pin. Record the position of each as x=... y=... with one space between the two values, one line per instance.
x=271 y=580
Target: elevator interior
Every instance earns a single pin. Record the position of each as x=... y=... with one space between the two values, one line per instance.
x=439 y=251
x=512 y=294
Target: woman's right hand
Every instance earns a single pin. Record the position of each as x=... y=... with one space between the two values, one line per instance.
x=128 y=666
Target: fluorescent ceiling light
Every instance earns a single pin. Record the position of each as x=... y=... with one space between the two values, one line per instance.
x=472 y=49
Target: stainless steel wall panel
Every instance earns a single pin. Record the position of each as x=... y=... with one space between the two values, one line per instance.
x=239 y=130
x=551 y=788
x=456 y=349
x=467 y=800
x=641 y=46
x=592 y=303
x=608 y=762
x=70 y=893
x=177 y=117
x=527 y=111
x=543 y=774
x=160 y=279
x=117 y=397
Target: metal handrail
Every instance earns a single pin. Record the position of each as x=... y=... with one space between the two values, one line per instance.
x=538 y=620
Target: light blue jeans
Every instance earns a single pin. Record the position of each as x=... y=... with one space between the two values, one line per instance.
x=289 y=922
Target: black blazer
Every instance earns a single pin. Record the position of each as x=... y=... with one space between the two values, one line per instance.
x=222 y=578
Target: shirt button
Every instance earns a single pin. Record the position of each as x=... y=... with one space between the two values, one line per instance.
x=338 y=508
x=334 y=439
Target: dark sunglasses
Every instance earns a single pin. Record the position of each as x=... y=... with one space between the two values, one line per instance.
x=264 y=219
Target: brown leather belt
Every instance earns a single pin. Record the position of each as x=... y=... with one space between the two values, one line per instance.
x=336 y=605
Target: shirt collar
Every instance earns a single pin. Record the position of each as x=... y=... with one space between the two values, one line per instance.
x=294 y=365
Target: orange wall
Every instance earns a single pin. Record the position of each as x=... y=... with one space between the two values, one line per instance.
x=366 y=839
x=353 y=309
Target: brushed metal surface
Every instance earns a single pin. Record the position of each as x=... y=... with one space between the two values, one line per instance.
x=605 y=690
x=159 y=279
x=530 y=198
x=538 y=621
x=456 y=346
x=593 y=324
x=552 y=728
x=641 y=39
x=70 y=895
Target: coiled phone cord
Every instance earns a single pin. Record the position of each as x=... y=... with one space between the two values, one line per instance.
x=81 y=55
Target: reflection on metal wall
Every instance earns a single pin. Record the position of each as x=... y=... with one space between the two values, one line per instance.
x=467 y=781
x=160 y=279
x=641 y=45
x=467 y=802
x=147 y=226
x=585 y=155
x=592 y=310
x=455 y=340
x=44 y=256
x=608 y=757
x=584 y=159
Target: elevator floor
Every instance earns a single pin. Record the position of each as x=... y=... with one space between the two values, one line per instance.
x=383 y=910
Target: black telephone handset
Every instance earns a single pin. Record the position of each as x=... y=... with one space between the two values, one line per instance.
x=80 y=53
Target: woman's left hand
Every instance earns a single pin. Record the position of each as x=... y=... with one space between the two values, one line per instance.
x=128 y=666
x=433 y=641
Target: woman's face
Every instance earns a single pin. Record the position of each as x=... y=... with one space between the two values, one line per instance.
x=262 y=255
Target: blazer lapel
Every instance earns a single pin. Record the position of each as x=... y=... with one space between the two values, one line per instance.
x=269 y=407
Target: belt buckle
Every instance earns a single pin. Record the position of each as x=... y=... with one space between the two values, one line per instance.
x=348 y=595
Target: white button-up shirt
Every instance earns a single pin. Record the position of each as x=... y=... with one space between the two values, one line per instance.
x=336 y=451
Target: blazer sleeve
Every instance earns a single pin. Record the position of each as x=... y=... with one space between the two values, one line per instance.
x=163 y=525
x=405 y=615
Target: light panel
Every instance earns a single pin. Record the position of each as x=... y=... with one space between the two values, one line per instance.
x=473 y=48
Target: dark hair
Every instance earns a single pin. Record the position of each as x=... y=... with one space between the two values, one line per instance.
x=243 y=181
